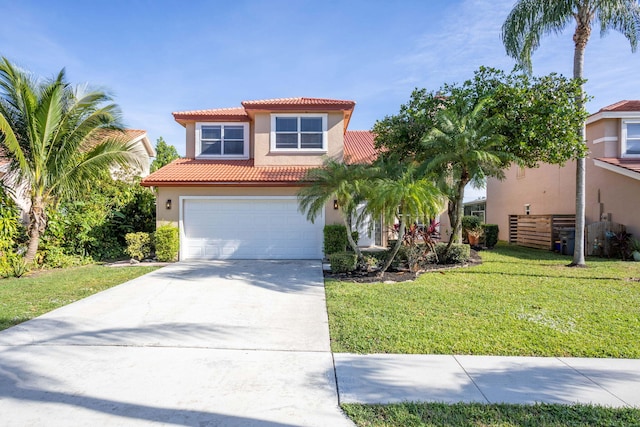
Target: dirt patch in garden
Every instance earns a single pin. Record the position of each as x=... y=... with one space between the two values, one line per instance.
x=395 y=276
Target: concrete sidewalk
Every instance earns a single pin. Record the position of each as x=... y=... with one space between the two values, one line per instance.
x=390 y=378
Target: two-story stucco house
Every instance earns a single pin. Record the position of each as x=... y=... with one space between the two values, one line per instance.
x=234 y=194
x=612 y=177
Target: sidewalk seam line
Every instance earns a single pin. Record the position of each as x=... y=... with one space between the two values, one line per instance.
x=471 y=378
x=594 y=382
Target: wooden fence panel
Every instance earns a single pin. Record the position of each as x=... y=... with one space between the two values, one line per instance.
x=538 y=231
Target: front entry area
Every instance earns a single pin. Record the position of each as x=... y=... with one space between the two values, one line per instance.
x=247 y=227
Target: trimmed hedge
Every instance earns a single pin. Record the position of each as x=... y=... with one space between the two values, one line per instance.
x=335 y=238
x=343 y=262
x=458 y=254
x=490 y=234
x=471 y=222
x=167 y=243
x=138 y=245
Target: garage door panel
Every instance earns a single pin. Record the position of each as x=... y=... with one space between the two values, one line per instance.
x=248 y=229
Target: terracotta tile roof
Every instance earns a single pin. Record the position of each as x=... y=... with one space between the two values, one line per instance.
x=626 y=105
x=278 y=103
x=245 y=112
x=632 y=165
x=232 y=114
x=358 y=147
x=207 y=172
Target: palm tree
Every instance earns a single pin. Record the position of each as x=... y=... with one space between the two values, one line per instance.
x=338 y=181
x=531 y=19
x=49 y=131
x=463 y=147
x=401 y=193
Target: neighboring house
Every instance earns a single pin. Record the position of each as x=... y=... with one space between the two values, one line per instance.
x=476 y=207
x=612 y=177
x=234 y=195
x=140 y=143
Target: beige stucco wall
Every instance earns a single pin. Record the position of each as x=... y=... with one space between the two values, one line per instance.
x=265 y=157
x=551 y=190
x=165 y=216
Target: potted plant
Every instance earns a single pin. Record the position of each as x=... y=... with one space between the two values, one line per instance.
x=474 y=235
x=634 y=245
x=472 y=229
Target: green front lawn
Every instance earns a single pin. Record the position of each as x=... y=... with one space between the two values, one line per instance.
x=521 y=302
x=28 y=297
x=481 y=415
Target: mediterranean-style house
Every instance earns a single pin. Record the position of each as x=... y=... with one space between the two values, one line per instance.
x=234 y=194
x=612 y=177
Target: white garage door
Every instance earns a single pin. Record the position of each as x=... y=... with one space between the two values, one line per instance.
x=248 y=228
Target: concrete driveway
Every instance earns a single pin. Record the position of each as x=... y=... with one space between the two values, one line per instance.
x=202 y=343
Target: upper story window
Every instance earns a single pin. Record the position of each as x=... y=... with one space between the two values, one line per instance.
x=299 y=132
x=630 y=138
x=228 y=140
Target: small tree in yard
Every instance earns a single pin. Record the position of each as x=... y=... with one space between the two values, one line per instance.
x=335 y=180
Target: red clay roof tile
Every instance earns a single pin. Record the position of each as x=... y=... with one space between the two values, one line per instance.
x=194 y=171
x=625 y=105
x=632 y=165
x=359 y=147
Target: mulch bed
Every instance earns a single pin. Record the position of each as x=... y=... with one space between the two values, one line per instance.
x=394 y=276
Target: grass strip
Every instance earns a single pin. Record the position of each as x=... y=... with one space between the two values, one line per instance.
x=28 y=297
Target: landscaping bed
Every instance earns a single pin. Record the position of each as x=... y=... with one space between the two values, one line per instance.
x=397 y=275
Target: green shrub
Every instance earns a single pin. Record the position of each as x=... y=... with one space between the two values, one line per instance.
x=55 y=257
x=335 y=238
x=12 y=265
x=458 y=253
x=167 y=241
x=471 y=222
x=138 y=245
x=490 y=234
x=343 y=262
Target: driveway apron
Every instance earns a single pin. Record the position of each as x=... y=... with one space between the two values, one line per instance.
x=195 y=343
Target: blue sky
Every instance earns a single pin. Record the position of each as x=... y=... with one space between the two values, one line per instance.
x=157 y=57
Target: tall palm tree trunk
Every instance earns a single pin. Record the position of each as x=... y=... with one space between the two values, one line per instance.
x=37 y=225
x=580 y=39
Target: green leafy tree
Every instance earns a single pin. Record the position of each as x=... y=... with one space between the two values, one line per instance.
x=165 y=154
x=529 y=20
x=335 y=181
x=48 y=131
x=400 y=193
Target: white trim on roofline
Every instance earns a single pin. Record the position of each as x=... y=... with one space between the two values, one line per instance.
x=613 y=115
x=617 y=169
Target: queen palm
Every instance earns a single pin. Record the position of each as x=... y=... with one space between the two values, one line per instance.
x=463 y=147
x=338 y=181
x=529 y=20
x=50 y=133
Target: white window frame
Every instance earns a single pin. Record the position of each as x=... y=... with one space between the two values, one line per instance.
x=623 y=139
x=245 y=150
x=324 y=118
